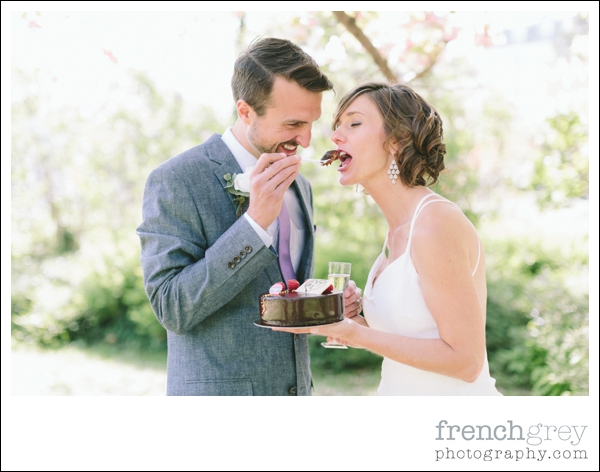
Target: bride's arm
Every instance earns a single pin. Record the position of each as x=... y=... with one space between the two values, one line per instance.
x=443 y=246
x=442 y=254
x=445 y=253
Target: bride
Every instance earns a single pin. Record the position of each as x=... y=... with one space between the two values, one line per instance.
x=424 y=303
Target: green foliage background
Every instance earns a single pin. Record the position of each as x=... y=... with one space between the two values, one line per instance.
x=77 y=187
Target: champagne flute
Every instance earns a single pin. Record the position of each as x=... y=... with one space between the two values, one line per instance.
x=339 y=277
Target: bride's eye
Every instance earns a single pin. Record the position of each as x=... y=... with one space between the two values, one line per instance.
x=355 y=124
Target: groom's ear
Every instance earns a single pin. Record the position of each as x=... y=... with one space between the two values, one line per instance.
x=244 y=111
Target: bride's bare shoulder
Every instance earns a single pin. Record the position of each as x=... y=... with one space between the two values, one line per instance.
x=444 y=226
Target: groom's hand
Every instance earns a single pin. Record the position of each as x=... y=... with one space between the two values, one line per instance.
x=272 y=175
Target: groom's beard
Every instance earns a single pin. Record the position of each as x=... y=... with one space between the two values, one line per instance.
x=261 y=147
x=273 y=148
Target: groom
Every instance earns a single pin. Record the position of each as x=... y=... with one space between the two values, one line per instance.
x=204 y=266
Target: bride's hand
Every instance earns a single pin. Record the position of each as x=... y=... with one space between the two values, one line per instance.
x=331 y=340
x=361 y=321
x=352 y=300
x=356 y=319
x=341 y=341
x=341 y=331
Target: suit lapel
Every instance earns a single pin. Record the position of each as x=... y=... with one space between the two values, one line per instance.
x=219 y=153
x=306 y=261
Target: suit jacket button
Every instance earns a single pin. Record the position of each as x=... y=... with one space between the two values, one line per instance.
x=293 y=390
x=242 y=254
x=236 y=259
x=231 y=265
x=248 y=249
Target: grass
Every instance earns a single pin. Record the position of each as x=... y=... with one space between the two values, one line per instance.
x=106 y=369
x=74 y=370
x=109 y=369
x=348 y=383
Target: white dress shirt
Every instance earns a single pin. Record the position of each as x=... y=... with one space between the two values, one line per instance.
x=271 y=236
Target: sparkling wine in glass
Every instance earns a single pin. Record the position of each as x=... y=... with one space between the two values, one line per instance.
x=339 y=281
x=338 y=276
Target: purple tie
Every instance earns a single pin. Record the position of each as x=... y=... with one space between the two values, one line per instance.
x=285 y=263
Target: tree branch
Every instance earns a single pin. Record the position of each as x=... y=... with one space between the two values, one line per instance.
x=350 y=24
x=433 y=58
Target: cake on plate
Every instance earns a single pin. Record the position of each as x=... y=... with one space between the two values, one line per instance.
x=310 y=304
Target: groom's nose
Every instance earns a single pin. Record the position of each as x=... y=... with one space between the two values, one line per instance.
x=304 y=137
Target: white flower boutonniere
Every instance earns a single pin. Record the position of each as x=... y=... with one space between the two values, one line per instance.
x=239 y=186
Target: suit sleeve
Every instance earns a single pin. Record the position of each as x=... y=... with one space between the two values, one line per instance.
x=186 y=280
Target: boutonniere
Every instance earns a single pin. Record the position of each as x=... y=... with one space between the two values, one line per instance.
x=239 y=186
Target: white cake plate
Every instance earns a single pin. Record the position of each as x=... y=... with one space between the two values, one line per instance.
x=260 y=325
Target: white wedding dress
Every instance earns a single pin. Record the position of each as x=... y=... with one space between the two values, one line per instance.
x=395 y=304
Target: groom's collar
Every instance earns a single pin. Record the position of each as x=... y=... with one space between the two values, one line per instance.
x=242 y=156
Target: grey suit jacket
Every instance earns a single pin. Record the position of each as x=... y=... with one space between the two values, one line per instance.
x=206 y=299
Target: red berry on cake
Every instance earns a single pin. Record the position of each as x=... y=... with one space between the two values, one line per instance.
x=293 y=284
x=328 y=290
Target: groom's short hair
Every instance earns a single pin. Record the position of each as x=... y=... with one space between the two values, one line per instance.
x=255 y=70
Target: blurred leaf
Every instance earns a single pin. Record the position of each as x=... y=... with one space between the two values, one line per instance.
x=561 y=171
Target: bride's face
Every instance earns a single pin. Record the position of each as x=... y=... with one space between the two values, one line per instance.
x=359 y=132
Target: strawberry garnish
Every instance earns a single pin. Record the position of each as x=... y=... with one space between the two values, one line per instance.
x=293 y=285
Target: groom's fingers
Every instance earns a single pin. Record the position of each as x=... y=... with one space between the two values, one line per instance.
x=267 y=159
x=278 y=171
x=274 y=173
x=272 y=176
x=270 y=164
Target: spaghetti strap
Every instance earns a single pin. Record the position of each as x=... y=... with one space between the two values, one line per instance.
x=418 y=210
x=422 y=204
x=478 y=256
x=384 y=244
x=411 y=223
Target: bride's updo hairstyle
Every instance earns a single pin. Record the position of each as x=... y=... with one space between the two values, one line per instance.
x=412 y=123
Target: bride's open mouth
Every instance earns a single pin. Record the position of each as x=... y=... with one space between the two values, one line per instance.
x=344 y=161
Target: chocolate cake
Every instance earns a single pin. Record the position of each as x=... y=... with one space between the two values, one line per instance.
x=331 y=156
x=301 y=309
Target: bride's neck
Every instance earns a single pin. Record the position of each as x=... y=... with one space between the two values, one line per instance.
x=397 y=201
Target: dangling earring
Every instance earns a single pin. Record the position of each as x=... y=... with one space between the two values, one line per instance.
x=393 y=170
